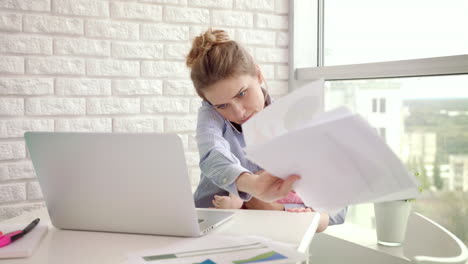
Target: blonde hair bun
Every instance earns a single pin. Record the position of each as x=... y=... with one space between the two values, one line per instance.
x=204 y=42
x=214 y=57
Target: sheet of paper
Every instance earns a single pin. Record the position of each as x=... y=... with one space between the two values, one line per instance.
x=286 y=115
x=341 y=159
x=217 y=249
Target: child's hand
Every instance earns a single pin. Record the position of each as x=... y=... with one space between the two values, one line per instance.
x=220 y=201
x=299 y=210
x=227 y=202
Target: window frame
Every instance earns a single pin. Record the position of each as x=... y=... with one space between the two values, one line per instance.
x=305 y=60
x=306 y=50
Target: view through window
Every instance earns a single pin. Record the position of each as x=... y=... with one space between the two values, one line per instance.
x=423 y=119
x=425 y=123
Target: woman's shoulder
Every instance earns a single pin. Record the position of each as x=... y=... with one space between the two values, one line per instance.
x=207 y=114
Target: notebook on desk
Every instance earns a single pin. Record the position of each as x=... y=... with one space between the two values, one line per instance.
x=130 y=183
x=25 y=246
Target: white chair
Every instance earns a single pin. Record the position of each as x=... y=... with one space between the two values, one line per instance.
x=428 y=242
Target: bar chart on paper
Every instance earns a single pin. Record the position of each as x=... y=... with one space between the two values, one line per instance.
x=241 y=252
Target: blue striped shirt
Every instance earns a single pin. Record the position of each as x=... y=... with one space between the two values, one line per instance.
x=222 y=160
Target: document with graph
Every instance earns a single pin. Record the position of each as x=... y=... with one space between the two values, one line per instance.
x=217 y=249
x=341 y=159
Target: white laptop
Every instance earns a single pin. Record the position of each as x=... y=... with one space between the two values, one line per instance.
x=130 y=183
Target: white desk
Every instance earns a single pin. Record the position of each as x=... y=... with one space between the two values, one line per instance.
x=425 y=242
x=350 y=243
x=65 y=246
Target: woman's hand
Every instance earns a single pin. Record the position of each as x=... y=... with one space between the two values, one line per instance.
x=265 y=186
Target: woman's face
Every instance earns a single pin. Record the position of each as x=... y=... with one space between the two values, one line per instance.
x=238 y=98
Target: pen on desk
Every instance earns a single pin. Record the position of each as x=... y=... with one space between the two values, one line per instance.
x=26 y=229
x=12 y=236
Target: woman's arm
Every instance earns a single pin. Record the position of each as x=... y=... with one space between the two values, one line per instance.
x=223 y=168
x=217 y=162
x=265 y=186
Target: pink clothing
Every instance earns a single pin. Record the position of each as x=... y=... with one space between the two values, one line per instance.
x=292 y=198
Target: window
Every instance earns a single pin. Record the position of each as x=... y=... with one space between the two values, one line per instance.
x=363 y=31
x=378 y=105
x=407 y=74
x=374 y=105
x=382 y=105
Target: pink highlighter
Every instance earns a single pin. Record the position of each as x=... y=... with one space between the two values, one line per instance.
x=9 y=238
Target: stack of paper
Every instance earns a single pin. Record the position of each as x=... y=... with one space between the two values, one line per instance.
x=340 y=157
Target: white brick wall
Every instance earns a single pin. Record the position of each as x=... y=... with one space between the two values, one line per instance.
x=10 y=22
x=137 y=87
x=136 y=11
x=158 y=32
x=29 y=44
x=52 y=24
x=82 y=47
x=84 y=125
x=137 y=51
x=55 y=66
x=81 y=7
x=114 y=66
x=26 y=86
x=9 y=64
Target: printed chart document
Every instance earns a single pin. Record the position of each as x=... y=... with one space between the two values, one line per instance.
x=217 y=249
x=340 y=157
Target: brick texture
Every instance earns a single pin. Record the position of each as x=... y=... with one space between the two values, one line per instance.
x=108 y=106
x=115 y=66
x=12 y=150
x=82 y=47
x=26 y=86
x=55 y=66
x=109 y=68
x=25 y=44
x=55 y=106
x=84 y=125
x=10 y=22
x=68 y=86
x=18 y=170
x=137 y=87
x=81 y=7
x=139 y=124
x=136 y=11
x=52 y=24
x=29 y=5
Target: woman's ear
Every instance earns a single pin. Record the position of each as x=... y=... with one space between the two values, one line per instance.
x=259 y=74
